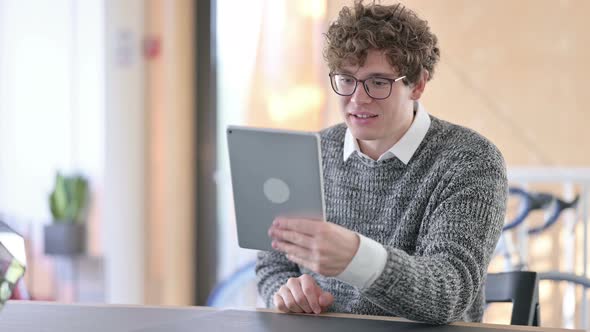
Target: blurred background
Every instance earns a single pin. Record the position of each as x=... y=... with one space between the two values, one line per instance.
x=134 y=97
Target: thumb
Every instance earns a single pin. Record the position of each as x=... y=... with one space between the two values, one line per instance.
x=326 y=299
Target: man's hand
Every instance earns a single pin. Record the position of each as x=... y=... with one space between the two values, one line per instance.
x=302 y=295
x=322 y=247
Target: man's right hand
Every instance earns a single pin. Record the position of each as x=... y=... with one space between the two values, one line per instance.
x=302 y=295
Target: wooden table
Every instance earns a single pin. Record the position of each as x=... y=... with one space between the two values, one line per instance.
x=26 y=316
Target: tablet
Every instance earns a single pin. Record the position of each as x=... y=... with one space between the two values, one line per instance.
x=273 y=173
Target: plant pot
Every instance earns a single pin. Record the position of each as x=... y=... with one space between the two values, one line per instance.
x=65 y=239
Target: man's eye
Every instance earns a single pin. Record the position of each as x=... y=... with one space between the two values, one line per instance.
x=379 y=82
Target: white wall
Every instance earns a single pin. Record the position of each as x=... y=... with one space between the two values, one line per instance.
x=36 y=105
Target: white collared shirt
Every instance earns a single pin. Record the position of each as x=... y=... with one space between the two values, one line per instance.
x=369 y=261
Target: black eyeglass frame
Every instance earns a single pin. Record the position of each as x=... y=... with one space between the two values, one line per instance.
x=391 y=81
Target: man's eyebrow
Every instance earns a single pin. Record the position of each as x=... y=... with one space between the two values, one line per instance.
x=343 y=71
x=387 y=75
x=373 y=74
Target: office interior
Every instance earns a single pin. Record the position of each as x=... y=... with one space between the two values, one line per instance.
x=135 y=95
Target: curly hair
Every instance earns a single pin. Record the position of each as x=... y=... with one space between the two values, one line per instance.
x=405 y=39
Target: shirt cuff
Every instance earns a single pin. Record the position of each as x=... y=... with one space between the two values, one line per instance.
x=366 y=265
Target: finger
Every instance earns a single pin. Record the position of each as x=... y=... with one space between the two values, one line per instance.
x=291 y=249
x=294 y=286
x=297 y=238
x=305 y=226
x=326 y=300
x=279 y=303
x=289 y=300
x=312 y=292
x=300 y=261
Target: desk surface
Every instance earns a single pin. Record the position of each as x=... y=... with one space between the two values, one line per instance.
x=25 y=316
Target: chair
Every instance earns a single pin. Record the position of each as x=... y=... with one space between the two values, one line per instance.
x=520 y=288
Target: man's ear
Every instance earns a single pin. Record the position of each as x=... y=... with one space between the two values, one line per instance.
x=418 y=88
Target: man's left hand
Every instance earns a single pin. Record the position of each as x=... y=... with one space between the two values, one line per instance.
x=322 y=247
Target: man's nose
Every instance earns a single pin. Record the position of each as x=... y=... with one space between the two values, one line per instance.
x=360 y=95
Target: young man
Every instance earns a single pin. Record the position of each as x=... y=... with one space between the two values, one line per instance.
x=414 y=204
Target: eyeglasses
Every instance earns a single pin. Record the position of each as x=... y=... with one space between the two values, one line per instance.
x=376 y=87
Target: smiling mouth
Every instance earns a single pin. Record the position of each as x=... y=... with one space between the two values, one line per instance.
x=363 y=116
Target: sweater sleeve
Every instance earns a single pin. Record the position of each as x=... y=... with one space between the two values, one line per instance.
x=273 y=270
x=441 y=279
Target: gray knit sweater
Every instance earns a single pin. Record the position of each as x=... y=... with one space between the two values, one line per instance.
x=439 y=218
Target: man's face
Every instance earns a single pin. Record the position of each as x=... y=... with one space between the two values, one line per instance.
x=377 y=122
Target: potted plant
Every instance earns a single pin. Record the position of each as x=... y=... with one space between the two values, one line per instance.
x=68 y=203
